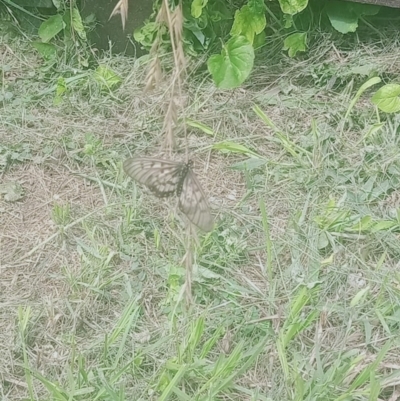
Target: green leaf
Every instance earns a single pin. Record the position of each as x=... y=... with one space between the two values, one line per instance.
x=257 y=6
x=77 y=24
x=360 y=296
x=260 y=40
x=47 y=50
x=287 y=21
x=146 y=34
x=364 y=224
x=297 y=42
x=387 y=98
x=202 y=127
x=106 y=77
x=366 y=85
x=384 y=225
x=61 y=88
x=51 y=27
x=233 y=147
x=57 y=4
x=197 y=7
x=293 y=6
x=364 y=9
x=344 y=16
x=248 y=22
x=232 y=67
x=249 y=164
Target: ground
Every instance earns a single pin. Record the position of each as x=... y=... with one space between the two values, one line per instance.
x=295 y=293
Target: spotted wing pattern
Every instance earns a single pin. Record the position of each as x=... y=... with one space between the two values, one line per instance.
x=165 y=178
x=193 y=203
x=162 y=177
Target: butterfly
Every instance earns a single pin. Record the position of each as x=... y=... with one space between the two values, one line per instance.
x=165 y=178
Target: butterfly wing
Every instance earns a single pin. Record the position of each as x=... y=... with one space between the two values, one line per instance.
x=193 y=203
x=162 y=177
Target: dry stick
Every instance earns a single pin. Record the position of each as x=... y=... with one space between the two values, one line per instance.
x=154 y=74
x=170 y=121
x=171 y=115
x=176 y=36
x=175 y=25
x=189 y=272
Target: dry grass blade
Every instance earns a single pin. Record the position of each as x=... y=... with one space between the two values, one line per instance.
x=176 y=38
x=154 y=74
x=175 y=25
x=170 y=122
x=188 y=263
x=162 y=13
x=122 y=9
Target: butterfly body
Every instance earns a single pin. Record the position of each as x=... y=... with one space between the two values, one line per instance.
x=166 y=178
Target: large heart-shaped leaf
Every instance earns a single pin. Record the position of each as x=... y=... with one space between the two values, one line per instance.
x=387 y=98
x=232 y=67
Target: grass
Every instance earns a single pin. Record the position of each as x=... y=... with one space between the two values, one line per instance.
x=295 y=291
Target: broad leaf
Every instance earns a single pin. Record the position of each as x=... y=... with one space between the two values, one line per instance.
x=344 y=16
x=47 y=50
x=77 y=23
x=51 y=27
x=233 y=66
x=197 y=7
x=248 y=22
x=297 y=42
x=293 y=6
x=387 y=98
x=106 y=77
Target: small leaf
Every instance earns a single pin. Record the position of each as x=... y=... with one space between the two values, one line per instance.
x=47 y=50
x=363 y=224
x=57 y=4
x=77 y=24
x=328 y=261
x=387 y=98
x=232 y=67
x=197 y=7
x=106 y=77
x=249 y=164
x=260 y=40
x=384 y=225
x=248 y=23
x=297 y=42
x=51 y=27
x=202 y=127
x=233 y=147
x=344 y=16
x=288 y=21
x=12 y=191
x=323 y=240
x=359 y=296
x=146 y=34
x=60 y=90
x=293 y=6
x=365 y=69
